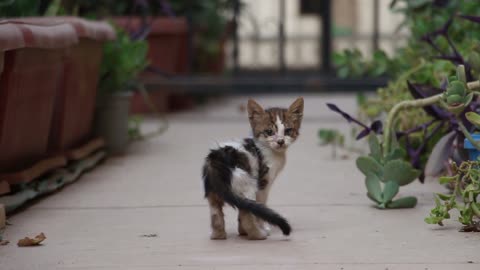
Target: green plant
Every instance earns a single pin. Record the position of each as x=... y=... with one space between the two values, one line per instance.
x=350 y=63
x=123 y=60
x=466 y=182
x=386 y=162
x=210 y=19
x=23 y=8
x=332 y=137
x=385 y=173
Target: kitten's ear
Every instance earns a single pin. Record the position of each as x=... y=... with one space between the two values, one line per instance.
x=296 y=109
x=254 y=109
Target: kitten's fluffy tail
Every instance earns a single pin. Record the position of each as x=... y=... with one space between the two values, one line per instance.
x=258 y=210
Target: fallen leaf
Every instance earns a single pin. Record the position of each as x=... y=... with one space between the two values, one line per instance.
x=149 y=235
x=4 y=242
x=28 y=242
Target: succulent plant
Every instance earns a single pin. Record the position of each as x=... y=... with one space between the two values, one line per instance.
x=473 y=118
x=464 y=198
x=456 y=98
x=390 y=171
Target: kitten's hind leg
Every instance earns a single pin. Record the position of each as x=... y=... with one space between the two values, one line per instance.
x=262 y=196
x=217 y=221
x=241 y=230
x=253 y=229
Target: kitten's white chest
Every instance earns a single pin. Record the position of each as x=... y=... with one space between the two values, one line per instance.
x=275 y=163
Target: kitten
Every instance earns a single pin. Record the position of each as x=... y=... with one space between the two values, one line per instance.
x=241 y=173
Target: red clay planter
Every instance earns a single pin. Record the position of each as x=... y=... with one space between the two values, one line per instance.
x=48 y=91
x=167 y=51
x=75 y=106
x=167 y=41
x=32 y=59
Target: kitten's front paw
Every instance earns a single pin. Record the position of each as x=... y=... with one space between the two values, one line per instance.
x=218 y=235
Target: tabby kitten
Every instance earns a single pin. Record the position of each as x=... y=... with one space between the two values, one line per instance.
x=241 y=173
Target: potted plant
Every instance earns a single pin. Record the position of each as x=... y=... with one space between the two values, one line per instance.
x=123 y=60
x=211 y=26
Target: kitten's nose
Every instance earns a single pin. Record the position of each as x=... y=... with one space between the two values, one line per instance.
x=281 y=142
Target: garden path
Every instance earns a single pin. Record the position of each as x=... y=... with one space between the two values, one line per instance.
x=145 y=210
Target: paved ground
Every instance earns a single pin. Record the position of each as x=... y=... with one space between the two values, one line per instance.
x=98 y=222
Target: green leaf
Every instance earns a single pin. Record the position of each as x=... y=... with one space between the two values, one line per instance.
x=361 y=99
x=389 y=191
x=343 y=72
x=371 y=198
x=373 y=187
x=368 y=165
x=375 y=147
x=444 y=197
x=406 y=202
x=475 y=209
x=393 y=141
x=447 y=179
x=397 y=153
x=461 y=73
x=400 y=171
x=433 y=220
x=473 y=118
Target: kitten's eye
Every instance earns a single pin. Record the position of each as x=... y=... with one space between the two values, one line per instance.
x=288 y=131
x=269 y=132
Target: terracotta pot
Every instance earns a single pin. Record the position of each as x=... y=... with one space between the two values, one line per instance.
x=33 y=68
x=75 y=104
x=214 y=64
x=167 y=41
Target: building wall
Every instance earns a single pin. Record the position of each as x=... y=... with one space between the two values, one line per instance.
x=258 y=31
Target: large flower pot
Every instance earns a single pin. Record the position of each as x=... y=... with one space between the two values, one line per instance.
x=111 y=121
x=75 y=105
x=167 y=41
x=473 y=153
x=32 y=62
x=167 y=53
x=75 y=99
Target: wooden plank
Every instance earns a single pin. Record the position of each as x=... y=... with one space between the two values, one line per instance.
x=85 y=150
x=35 y=171
x=4 y=187
x=3 y=217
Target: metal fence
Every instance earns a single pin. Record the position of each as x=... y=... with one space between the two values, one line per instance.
x=280 y=76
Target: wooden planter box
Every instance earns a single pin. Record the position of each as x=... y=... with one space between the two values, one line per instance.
x=75 y=101
x=48 y=91
x=32 y=59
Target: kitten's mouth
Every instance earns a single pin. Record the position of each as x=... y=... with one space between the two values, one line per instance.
x=280 y=147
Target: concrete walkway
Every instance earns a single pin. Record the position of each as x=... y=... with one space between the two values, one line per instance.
x=101 y=221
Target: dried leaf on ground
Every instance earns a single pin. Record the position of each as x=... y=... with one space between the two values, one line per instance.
x=28 y=242
x=4 y=242
x=149 y=235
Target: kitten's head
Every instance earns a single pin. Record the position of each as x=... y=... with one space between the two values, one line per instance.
x=276 y=128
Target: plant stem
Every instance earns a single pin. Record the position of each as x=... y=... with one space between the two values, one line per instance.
x=467 y=134
x=397 y=108
x=475 y=85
